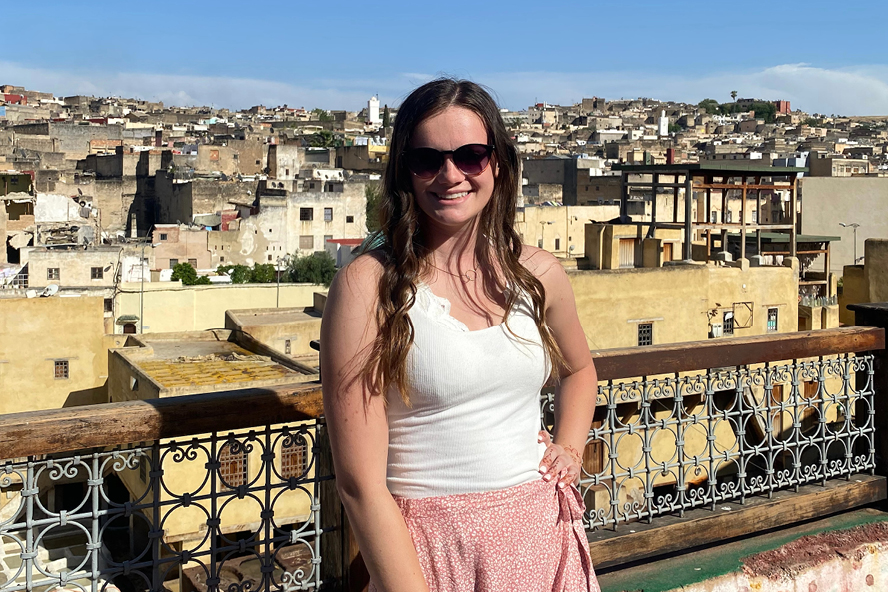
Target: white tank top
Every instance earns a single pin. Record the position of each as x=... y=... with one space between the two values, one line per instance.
x=474 y=416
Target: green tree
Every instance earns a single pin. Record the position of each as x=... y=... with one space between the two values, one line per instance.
x=323 y=139
x=317 y=268
x=709 y=105
x=386 y=116
x=239 y=274
x=322 y=115
x=733 y=95
x=373 y=195
x=186 y=273
x=263 y=273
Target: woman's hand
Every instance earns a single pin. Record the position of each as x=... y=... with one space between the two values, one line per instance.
x=561 y=462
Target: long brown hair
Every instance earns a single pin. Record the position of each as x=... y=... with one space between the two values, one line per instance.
x=404 y=255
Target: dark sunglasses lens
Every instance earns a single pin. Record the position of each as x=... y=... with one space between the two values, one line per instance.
x=424 y=162
x=472 y=159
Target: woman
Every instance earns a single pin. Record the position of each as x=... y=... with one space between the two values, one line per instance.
x=435 y=347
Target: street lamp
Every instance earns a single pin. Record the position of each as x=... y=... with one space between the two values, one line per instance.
x=855 y=226
x=278 y=270
x=142 y=289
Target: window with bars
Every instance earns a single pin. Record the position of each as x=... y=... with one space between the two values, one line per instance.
x=645 y=333
x=61 y=369
x=772 y=320
x=328 y=214
x=163 y=236
x=306 y=214
x=52 y=273
x=232 y=467
x=294 y=456
x=306 y=242
x=173 y=263
x=96 y=273
x=728 y=324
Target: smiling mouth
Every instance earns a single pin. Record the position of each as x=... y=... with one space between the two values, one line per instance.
x=451 y=196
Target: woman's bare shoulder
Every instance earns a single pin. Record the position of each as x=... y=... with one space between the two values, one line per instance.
x=359 y=279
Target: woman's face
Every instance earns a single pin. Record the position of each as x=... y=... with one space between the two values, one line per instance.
x=451 y=200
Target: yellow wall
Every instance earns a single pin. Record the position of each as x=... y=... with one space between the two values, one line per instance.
x=171 y=307
x=865 y=283
x=678 y=300
x=34 y=332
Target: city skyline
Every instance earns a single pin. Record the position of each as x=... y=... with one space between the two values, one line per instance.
x=202 y=54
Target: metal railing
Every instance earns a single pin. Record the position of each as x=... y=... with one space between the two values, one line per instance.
x=686 y=436
x=235 y=490
x=232 y=509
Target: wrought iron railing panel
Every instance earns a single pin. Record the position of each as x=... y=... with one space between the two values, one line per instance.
x=234 y=511
x=669 y=444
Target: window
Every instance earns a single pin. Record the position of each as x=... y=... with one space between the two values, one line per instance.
x=288 y=348
x=557 y=244
x=222 y=259
x=214 y=155
x=61 y=369
x=109 y=305
x=349 y=219
x=328 y=214
x=52 y=273
x=306 y=242
x=540 y=244
x=327 y=237
x=755 y=217
x=232 y=466
x=728 y=324
x=645 y=333
x=269 y=257
x=193 y=263
x=96 y=273
x=293 y=456
x=713 y=217
x=306 y=214
x=728 y=217
x=173 y=263
x=772 y=320
x=163 y=236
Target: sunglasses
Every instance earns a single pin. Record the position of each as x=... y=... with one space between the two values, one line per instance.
x=471 y=160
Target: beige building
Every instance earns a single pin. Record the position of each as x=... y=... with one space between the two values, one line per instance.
x=178 y=243
x=560 y=229
x=865 y=283
x=53 y=352
x=823 y=165
x=684 y=302
x=827 y=202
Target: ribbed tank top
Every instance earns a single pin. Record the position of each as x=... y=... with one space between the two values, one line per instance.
x=474 y=416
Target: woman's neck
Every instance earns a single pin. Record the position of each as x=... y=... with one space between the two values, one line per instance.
x=452 y=250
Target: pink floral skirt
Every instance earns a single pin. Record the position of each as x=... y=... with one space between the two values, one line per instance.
x=527 y=538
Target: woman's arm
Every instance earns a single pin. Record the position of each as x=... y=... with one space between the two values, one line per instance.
x=576 y=393
x=358 y=429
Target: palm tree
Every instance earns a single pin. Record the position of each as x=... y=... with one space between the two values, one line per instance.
x=734 y=95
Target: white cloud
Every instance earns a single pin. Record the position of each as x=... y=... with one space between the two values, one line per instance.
x=859 y=90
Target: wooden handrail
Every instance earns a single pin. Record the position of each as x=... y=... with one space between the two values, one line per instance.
x=112 y=424
x=737 y=351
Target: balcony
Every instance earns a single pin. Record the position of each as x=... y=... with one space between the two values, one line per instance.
x=692 y=444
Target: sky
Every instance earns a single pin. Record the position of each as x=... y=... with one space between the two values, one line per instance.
x=824 y=57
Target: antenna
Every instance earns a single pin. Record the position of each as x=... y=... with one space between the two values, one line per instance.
x=50 y=290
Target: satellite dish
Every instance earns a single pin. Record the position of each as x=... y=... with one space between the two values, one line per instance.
x=50 y=290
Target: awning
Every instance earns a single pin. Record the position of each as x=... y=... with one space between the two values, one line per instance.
x=127 y=319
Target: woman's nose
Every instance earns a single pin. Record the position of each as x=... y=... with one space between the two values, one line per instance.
x=449 y=171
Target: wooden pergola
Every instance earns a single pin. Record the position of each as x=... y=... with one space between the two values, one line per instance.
x=750 y=181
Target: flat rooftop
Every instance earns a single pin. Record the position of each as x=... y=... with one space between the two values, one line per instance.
x=203 y=362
